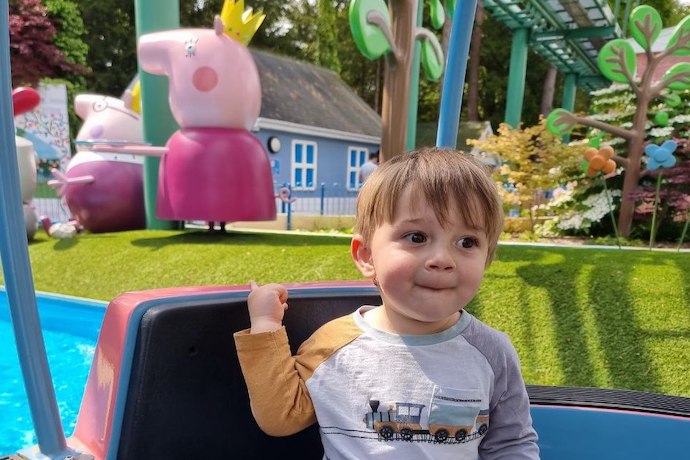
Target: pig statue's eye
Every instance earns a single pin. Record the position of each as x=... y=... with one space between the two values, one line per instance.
x=190 y=46
x=100 y=105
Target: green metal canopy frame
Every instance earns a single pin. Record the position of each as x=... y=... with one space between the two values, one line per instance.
x=566 y=33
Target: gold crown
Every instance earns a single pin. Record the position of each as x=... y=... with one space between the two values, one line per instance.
x=239 y=24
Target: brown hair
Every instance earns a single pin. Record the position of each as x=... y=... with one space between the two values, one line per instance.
x=440 y=175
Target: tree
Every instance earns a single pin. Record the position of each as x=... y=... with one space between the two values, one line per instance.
x=33 y=52
x=69 y=25
x=377 y=33
x=473 y=69
x=70 y=29
x=111 y=38
x=273 y=35
x=618 y=63
x=548 y=91
x=534 y=161
x=326 y=40
x=363 y=75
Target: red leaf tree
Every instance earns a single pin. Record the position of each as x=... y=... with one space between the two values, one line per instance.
x=33 y=54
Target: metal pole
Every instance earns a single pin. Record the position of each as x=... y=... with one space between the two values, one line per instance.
x=323 y=195
x=289 y=209
x=17 y=272
x=456 y=68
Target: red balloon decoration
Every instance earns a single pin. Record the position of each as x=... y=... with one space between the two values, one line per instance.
x=24 y=100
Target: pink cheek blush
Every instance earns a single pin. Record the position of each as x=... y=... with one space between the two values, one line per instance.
x=205 y=79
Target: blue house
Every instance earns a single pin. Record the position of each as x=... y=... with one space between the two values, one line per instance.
x=316 y=130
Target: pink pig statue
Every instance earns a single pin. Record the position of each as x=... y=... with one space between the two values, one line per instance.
x=213 y=168
x=105 y=191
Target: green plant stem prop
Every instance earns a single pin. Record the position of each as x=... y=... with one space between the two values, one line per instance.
x=685 y=229
x=613 y=219
x=652 y=234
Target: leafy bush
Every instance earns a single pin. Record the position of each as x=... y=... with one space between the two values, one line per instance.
x=534 y=163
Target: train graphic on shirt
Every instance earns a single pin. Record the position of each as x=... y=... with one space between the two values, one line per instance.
x=447 y=422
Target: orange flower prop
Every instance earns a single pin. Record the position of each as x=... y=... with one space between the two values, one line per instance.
x=599 y=161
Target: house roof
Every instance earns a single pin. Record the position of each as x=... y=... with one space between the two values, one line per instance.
x=304 y=94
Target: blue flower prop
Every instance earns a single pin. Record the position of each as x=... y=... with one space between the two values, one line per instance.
x=660 y=156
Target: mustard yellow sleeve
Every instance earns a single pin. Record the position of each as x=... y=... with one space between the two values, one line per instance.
x=279 y=398
x=276 y=380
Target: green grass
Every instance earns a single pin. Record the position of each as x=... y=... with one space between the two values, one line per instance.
x=578 y=317
x=101 y=266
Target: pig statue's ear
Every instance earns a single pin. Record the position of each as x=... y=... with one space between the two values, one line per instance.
x=218 y=25
x=127 y=99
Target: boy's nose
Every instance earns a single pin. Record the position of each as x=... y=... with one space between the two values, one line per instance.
x=440 y=260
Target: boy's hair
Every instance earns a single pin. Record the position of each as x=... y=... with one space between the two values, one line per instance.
x=443 y=178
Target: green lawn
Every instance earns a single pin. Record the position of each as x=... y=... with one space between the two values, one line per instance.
x=578 y=317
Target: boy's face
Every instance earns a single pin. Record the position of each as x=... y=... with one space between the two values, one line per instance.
x=426 y=272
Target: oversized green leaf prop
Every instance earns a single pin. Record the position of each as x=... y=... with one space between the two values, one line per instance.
x=682 y=35
x=615 y=58
x=672 y=100
x=645 y=26
x=560 y=122
x=369 y=38
x=436 y=13
x=682 y=69
x=595 y=141
x=661 y=118
x=432 y=65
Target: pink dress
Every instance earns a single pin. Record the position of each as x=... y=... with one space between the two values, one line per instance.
x=215 y=174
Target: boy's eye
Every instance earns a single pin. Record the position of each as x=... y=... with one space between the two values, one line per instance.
x=468 y=243
x=415 y=237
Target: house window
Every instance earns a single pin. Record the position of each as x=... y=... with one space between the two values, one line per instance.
x=356 y=157
x=303 y=165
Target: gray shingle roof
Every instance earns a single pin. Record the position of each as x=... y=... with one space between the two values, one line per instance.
x=302 y=93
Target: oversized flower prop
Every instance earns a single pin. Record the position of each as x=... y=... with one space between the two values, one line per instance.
x=660 y=156
x=599 y=160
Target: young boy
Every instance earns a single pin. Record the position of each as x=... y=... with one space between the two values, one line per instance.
x=415 y=377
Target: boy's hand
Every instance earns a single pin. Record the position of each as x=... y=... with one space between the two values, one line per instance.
x=267 y=305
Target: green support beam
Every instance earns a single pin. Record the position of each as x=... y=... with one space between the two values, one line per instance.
x=583 y=32
x=516 y=77
x=158 y=122
x=569 y=90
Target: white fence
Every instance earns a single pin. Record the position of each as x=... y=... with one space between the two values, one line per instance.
x=331 y=201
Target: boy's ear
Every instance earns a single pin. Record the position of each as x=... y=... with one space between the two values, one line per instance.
x=361 y=255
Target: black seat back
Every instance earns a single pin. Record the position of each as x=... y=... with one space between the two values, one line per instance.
x=187 y=397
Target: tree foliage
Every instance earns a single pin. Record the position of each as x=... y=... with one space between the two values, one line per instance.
x=273 y=34
x=69 y=25
x=534 y=161
x=34 y=53
x=326 y=42
x=111 y=38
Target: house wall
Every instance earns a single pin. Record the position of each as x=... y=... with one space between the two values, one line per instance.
x=332 y=156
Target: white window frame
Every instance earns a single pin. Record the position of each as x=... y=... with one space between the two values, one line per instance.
x=355 y=169
x=303 y=165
